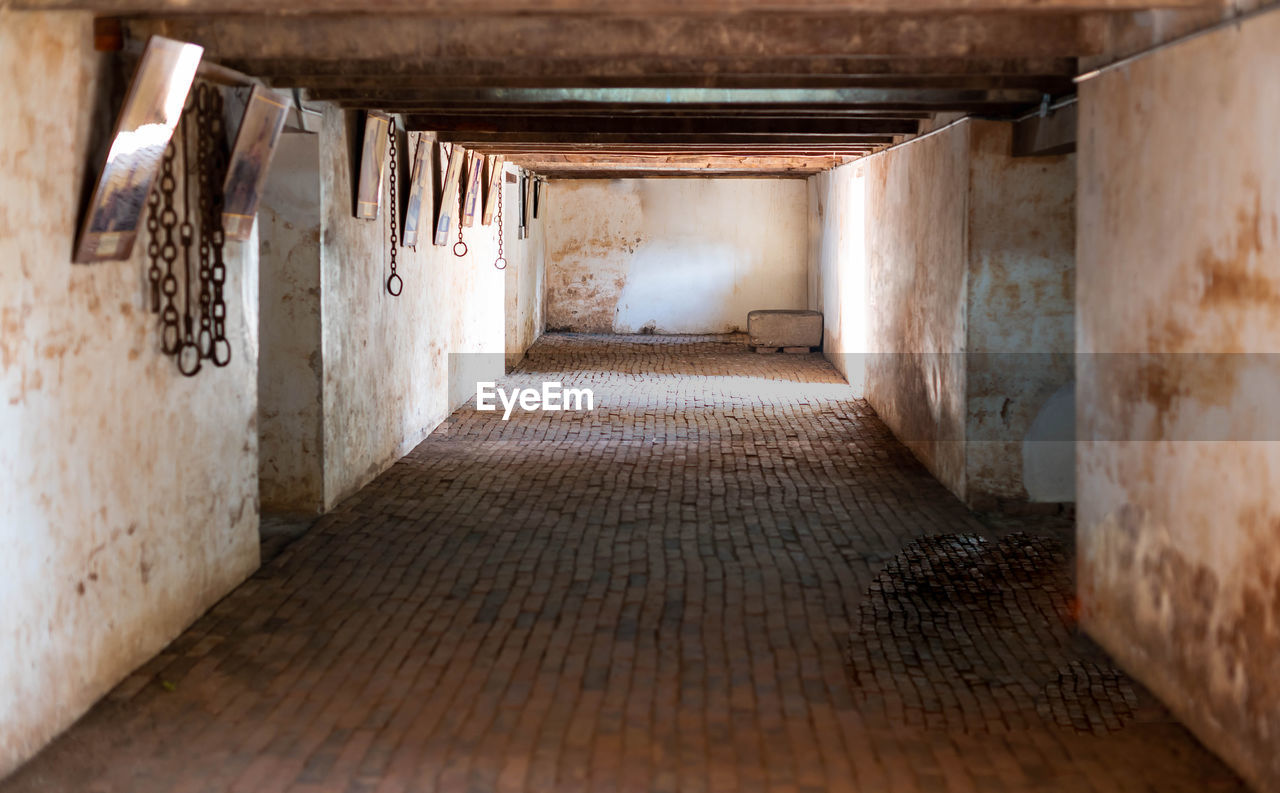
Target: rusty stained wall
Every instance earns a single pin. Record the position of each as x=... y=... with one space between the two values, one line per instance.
x=1178 y=475
x=1020 y=368
x=290 y=395
x=395 y=367
x=944 y=271
x=890 y=264
x=673 y=255
x=128 y=493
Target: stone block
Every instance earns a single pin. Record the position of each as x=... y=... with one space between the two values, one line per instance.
x=784 y=328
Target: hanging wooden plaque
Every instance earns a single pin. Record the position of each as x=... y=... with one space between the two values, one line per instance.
x=449 y=202
x=143 y=130
x=419 y=193
x=372 y=155
x=256 y=141
x=475 y=181
x=496 y=162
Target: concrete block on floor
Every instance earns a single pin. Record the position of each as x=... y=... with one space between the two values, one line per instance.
x=784 y=328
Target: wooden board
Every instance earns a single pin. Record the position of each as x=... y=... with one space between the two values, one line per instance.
x=372 y=158
x=475 y=181
x=420 y=194
x=496 y=163
x=143 y=129
x=447 y=213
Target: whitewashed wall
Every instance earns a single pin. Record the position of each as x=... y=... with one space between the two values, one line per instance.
x=944 y=269
x=128 y=493
x=673 y=255
x=1179 y=330
x=395 y=367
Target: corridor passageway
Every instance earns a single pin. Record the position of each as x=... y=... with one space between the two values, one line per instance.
x=714 y=581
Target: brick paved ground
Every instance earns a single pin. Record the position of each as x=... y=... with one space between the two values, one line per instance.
x=727 y=577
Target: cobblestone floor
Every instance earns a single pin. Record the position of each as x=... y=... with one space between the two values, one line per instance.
x=728 y=577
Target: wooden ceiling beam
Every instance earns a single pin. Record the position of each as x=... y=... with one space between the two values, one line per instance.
x=473 y=139
x=698 y=8
x=500 y=69
x=705 y=173
x=356 y=37
x=445 y=8
x=1054 y=85
x=652 y=125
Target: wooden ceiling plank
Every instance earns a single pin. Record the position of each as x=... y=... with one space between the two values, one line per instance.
x=338 y=37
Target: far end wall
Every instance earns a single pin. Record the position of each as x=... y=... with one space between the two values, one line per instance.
x=673 y=255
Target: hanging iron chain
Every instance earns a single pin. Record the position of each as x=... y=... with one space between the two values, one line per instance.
x=188 y=350
x=395 y=284
x=503 y=259
x=213 y=130
x=204 y=154
x=462 y=202
x=201 y=188
x=170 y=335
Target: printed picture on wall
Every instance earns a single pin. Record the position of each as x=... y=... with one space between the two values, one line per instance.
x=374 y=152
x=449 y=200
x=495 y=184
x=255 y=145
x=475 y=183
x=419 y=193
x=143 y=130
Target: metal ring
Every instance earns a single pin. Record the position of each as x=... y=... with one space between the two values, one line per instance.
x=399 y=285
x=194 y=356
x=455 y=249
x=220 y=343
x=170 y=339
x=502 y=259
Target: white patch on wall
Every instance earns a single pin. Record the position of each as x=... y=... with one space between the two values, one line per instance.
x=671 y=284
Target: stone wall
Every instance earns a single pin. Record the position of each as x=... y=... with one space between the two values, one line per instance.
x=128 y=493
x=673 y=255
x=395 y=367
x=944 y=271
x=290 y=396
x=1179 y=324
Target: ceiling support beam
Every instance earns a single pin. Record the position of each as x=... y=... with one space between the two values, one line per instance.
x=558 y=7
x=340 y=37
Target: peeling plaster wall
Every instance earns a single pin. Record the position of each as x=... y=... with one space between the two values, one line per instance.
x=1020 y=368
x=944 y=271
x=1179 y=247
x=673 y=255
x=891 y=264
x=394 y=366
x=290 y=403
x=128 y=493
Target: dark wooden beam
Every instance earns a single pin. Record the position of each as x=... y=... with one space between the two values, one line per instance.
x=614 y=101
x=1055 y=84
x=355 y=37
x=473 y=139
x=657 y=7
x=654 y=125
x=500 y=70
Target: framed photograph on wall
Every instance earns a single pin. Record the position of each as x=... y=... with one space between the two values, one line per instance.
x=475 y=183
x=143 y=130
x=419 y=193
x=372 y=155
x=250 y=161
x=496 y=162
x=449 y=199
